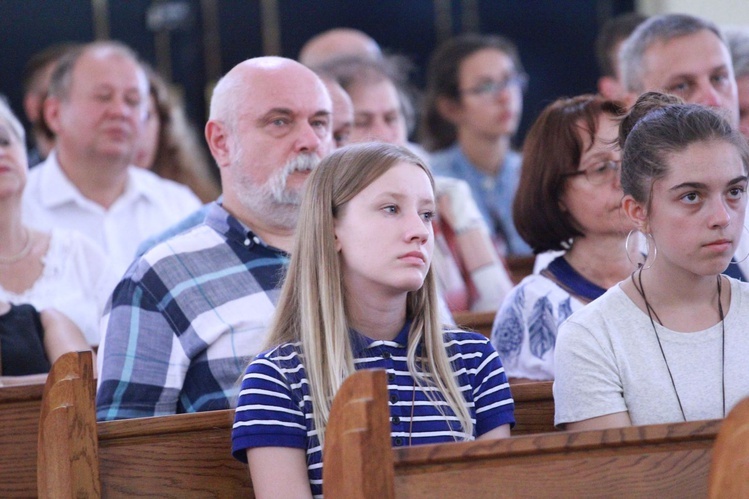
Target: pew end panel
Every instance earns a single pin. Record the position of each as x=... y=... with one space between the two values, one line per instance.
x=534 y=407
x=729 y=471
x=67 y=463
x=19 y=420
x=359 y=417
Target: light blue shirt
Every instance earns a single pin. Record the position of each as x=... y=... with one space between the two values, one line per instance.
x=493 y=194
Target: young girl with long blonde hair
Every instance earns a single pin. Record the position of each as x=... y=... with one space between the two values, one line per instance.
x=359 y=293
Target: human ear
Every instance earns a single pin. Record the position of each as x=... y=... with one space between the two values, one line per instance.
x=636 y=212
x=51 y=111
x=610 y=88
x=218 y=142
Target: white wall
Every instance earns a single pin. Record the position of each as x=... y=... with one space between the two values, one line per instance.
x=722 y=12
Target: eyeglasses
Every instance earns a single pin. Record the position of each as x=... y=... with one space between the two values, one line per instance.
x=599 y=174
x=493 y=87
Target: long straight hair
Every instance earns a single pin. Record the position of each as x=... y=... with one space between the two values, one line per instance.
x=312 y=309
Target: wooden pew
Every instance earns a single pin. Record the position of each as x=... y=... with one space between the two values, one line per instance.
x=19 y=425
x=669 y=460
x=169 y=456
x=729 y=472
x=534 y=407
x=480 y=322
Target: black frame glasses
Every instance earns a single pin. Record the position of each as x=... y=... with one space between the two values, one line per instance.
x=493 y=87
x=597 y=175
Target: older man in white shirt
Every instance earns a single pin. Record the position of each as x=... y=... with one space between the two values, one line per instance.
x=97 y=107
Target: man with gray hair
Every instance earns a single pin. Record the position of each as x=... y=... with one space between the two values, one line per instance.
x=681 y=55
x=187 y=316
x=96 y=107
x=738 y=43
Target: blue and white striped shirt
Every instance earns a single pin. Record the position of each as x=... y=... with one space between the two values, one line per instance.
x=275 y=408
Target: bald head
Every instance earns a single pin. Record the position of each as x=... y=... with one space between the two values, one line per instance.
x=269 y=126
x=338 y=43
x=265 y=79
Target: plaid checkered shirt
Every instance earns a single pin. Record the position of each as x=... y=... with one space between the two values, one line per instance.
x=186 y=319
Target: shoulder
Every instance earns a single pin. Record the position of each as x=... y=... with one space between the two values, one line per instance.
x=467 y=343
x=614 y=303
x=164 y=190
x=283 y=362
x=535 y=289
x=185 y=246
x=513 y=160
x=442 y=161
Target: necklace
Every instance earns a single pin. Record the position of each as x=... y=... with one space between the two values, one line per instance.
x=7 y=260
x=651 y=312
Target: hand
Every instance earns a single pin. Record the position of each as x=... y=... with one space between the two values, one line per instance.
x=457 y=206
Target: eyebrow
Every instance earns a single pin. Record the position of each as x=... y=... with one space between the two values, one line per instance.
x=700 y=185
x=398 y=196
x=283 y=111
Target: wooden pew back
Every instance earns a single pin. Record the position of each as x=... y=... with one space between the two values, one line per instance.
x=479 y=322
x=19 y=427
x=729 y=472
x=170 y=456
x=669 y=460
x=534 y=407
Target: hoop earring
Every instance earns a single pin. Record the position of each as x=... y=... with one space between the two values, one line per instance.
x=648 y=237
x=747 y=255
x=641 y=265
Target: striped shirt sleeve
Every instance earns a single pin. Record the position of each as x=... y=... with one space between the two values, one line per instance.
x=268 y=412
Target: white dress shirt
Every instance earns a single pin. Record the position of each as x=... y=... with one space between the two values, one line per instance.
x=148 y=205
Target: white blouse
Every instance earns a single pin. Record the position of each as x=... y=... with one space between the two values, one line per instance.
x=77 y=280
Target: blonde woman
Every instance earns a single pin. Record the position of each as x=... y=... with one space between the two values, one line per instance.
x=359 y=293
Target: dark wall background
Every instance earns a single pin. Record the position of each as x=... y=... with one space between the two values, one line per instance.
x=193 y=42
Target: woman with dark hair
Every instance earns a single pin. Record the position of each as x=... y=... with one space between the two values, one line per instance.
x=569 y=198
x=472 y=109
x=670 y=342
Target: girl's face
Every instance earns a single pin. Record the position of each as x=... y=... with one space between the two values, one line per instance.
x=491 y=99
x=377 y=113
x=697 y=210
x=13 y=162
x=594 y=196
x=384 y=234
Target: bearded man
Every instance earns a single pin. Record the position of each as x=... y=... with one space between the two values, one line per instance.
x=186 y=317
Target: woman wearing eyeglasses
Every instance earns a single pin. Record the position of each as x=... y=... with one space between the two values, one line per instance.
x=569 y=198
x=473 y=106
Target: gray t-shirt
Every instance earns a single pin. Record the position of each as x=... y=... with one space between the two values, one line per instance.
x=607 y=360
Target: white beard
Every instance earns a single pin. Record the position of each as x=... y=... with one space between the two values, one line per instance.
x=273 y=200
